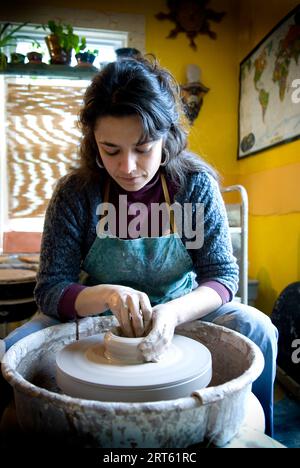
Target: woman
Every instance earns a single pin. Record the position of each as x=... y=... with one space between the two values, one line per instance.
x=152 y=274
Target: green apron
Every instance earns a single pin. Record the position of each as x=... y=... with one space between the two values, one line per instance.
x=158 y=266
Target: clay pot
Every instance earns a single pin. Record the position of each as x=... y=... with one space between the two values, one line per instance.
x=123 y=349
x=59 y=56
x=34 y=57
x=16 y=58
x=85 y=59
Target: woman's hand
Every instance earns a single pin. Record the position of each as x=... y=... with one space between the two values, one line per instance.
x=164 y=321
x=132 y=309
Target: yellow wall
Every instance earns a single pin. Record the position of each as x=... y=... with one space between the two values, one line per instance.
x=270 y=177
x=214 y=132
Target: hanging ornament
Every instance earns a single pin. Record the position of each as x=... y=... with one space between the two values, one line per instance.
x=193 y=92
x=191 y=17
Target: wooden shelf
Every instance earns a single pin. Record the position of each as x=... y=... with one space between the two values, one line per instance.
x=50 y=71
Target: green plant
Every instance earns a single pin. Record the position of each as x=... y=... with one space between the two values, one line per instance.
x=82 y=48
x=92 y=52
x=36 y=46
x=8 y=37
x=67 y=39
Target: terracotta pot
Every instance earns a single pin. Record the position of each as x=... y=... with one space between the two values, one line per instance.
x=34 y=57
x=59 y=56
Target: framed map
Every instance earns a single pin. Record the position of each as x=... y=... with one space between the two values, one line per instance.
x=269 y=110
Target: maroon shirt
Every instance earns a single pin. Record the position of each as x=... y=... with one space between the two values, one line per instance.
x=151 y=193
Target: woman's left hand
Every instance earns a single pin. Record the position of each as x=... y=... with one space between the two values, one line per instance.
x=160 y=337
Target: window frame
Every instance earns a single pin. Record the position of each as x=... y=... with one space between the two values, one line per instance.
x=112 y=37
x=95 y=38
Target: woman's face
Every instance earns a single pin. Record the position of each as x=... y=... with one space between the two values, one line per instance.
x=129 y=161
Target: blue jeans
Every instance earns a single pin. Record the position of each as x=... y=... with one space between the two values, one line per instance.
x=257 y=327
x=244 y=319
x=38 y=322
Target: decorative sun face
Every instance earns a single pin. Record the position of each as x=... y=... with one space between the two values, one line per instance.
x=191 y=17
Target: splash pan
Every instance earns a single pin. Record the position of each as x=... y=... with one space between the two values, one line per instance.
x=215 y=412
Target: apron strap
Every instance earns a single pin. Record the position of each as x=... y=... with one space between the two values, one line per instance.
x=167 y=198
x=105 y=200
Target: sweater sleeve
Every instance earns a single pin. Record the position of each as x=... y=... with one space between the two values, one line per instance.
x=219 y=288
x=214 y=260
x=61 y=249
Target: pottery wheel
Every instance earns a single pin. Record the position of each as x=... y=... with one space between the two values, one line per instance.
x=83 y=371
x=29 y=258
x=12 y=275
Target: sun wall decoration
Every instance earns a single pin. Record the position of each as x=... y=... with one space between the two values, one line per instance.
x=191 y=17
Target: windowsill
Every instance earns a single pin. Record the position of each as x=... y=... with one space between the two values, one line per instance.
x=50 y=71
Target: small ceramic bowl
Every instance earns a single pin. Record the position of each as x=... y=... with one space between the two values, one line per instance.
x=122 y=349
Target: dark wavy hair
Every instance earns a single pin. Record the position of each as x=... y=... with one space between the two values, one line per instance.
x=139 y=87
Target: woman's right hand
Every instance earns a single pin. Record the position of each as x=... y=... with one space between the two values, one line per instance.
x=132 y=308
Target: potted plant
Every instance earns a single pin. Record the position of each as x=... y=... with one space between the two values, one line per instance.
x=17 y=58
x=61 y=42
x=7 y=39
x=85 y=57
x=34 y=57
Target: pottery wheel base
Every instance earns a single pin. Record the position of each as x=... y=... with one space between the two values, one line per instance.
x=84 y=372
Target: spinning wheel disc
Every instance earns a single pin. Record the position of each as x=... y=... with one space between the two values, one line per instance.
x=83 y=371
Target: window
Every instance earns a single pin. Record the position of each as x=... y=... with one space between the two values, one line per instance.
x=106 y=42
x=39 y=136
x=41 y=140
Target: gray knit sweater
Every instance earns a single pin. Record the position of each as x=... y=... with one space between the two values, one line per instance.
x=70 y=230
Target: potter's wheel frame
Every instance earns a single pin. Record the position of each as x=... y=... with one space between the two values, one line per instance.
x=43 y=410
